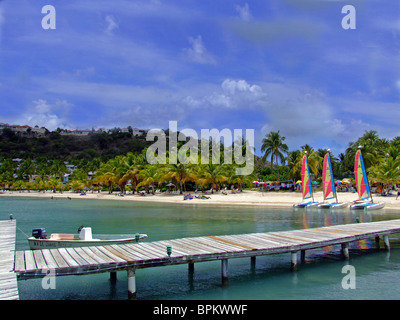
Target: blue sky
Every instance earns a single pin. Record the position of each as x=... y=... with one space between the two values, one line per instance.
x=283 y=65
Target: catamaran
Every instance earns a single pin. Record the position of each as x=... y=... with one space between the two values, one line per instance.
x=306 y=187
x=328 y=186
x=365 y=200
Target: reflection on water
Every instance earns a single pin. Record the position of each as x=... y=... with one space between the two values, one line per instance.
x=320 y=275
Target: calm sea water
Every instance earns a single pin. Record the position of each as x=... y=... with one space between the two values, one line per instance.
x=320 y=277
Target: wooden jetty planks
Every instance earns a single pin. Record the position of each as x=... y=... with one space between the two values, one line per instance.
x=195 y=249
x=8 y=279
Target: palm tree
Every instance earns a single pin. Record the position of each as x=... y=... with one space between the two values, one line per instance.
x=372 y=148
x=149 y=176
x=273 y=146
x=241 y=180
x=179 y=172
x=387 y=171
x=212 y=174
x=313 y=158
x=112 y=172
x=293 y=159
x=134 y=163
x=58 y=169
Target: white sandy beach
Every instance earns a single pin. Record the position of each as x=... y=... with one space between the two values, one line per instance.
x=252 y=198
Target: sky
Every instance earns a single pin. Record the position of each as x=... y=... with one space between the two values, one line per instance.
x=266 y=65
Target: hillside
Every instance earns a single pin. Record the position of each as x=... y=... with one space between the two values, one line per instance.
x=54 y=145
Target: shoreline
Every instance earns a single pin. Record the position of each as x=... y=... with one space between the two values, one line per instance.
x=245 y=198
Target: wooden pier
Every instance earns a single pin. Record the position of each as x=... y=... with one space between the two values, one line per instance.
x=8 y=279
x=130 y=257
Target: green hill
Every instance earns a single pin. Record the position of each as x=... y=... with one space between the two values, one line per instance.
x=53 y=145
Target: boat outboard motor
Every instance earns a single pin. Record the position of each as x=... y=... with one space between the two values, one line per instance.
x=39 y=233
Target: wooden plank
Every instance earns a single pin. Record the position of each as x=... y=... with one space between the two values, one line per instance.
x=67 y=257
x=151 y=252
x=117 y=253
x=99 y=254
x=19 y=264
x=224 y=239
x=29 y=260
x=40 y=262
x=48 y=257
x=201 y=247
x=95 y=258
x=131 y=249
x=58 y=258
x=123 y=252
x=86 y=257
x=108 y=253
x=222 y=247
x=139 y=249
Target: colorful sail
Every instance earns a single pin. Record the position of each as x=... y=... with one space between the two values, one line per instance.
x=361 y=177
x=328 y=183
x=305 y=179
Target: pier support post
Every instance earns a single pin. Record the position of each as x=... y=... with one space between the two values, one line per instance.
x=293 y=266
x=303 y=256
x=377 y=243
x=131 y=284
x=224 y=272
x=113 y=276
x=253 y=262
x=387 y=243
x=345 y=250
x=191 y=268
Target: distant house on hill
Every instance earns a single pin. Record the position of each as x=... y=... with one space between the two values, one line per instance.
x=23 y=129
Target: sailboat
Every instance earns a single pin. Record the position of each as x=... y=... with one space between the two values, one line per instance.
x=306 y=187
x=365 y=200
x=328 y=186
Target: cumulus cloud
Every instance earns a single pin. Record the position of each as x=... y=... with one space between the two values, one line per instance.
x=232 y=94
x=45 y=114
x=198 y=52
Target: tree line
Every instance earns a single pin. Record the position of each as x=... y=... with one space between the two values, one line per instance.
x=132 y=172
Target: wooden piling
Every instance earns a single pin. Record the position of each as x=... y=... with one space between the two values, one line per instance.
x=387 y=243
x=345 y=250
x=131 y=284
x=377 y=245
x=293 y=266
x=191 y=267
x=224 y=272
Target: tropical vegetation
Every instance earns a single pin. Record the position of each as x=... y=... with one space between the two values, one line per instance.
x=130 y=171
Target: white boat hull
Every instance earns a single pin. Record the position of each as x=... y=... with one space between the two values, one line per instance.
x=53 y=244
x=306 y=204
x=333 y=205
x=367 y=206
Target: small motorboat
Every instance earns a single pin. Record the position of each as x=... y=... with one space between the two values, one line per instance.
x=40 y=240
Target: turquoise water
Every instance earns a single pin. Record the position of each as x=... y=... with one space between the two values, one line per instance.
x=320 y=277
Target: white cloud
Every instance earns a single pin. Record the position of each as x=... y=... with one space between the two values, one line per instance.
x=244 y=12
x=111 y=25
x=232 y=94
x=45 y=114
x=198 y=52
